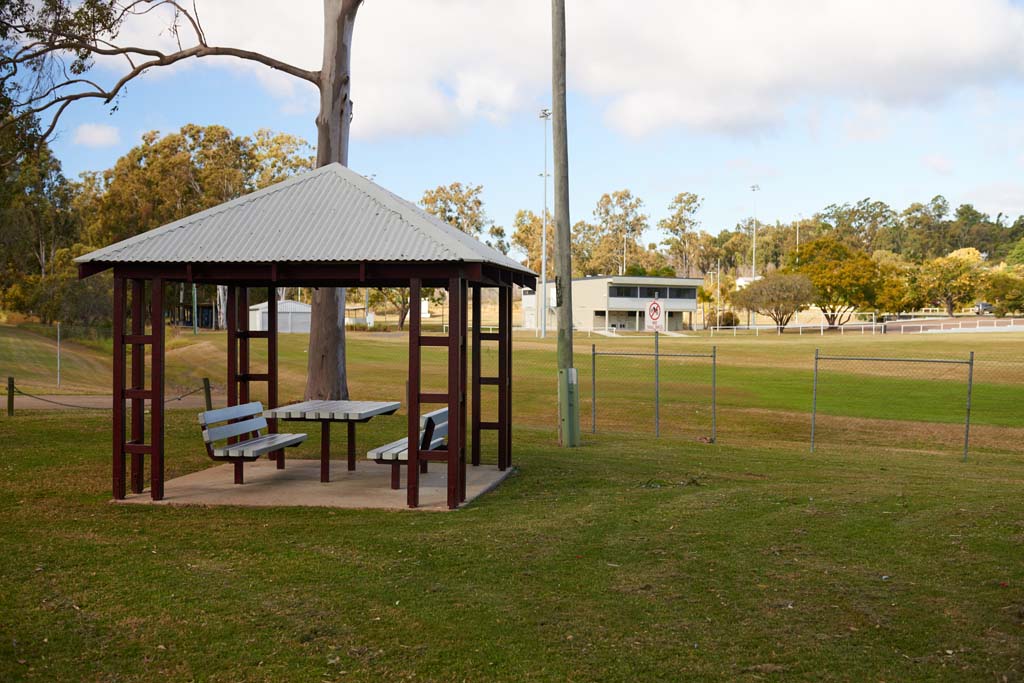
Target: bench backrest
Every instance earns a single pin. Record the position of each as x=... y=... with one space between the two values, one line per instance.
x=238 y=420
x=433 y=425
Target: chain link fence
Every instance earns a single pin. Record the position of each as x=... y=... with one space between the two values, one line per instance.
x=933 y=397
x=672 y=392
x=933 y=391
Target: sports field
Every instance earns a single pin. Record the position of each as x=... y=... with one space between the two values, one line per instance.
x=881 y=557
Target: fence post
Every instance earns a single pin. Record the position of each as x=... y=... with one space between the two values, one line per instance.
x=206 y=393
x=814 y=399
x=657 y=392
x=714 y=394
x=593 y=388
x=10 y=397
x=967 y=420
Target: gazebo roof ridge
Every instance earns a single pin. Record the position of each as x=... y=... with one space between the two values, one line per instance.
x=330 y=214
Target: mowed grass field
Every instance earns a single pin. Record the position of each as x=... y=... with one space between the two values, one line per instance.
x=882 y=557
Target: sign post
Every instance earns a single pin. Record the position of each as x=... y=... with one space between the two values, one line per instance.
x=655 y=320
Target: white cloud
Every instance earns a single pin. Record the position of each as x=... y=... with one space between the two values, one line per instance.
x=97 y=135
x=868 y=123
x=938 y=163
x=994 y=198
x=731 y=65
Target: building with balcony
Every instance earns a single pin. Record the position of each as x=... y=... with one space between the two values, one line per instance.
x=619 y=302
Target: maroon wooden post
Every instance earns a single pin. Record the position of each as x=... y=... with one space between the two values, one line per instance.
x=232 y=315
x=508 y=375
x=118 y=389
x=412 y=477
x=156 y=407
x=475 y=383
x=351 y=442
x=455 y=430
x=325 y=451
x=463 y=378
x=242 y=320
x=272 y=368
x=138 y=383
x=503 y=378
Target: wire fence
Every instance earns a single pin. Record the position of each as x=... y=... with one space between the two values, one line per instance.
x=13 y=390
x=680 y=386
x=931 y=390
x=935 y=398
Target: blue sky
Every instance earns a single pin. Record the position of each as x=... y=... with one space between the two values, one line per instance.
x=897 y=101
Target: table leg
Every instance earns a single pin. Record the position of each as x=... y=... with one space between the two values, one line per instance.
x=351 y=446
x=325 y=450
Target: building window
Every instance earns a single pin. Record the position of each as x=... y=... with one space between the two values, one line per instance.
x=652 y=292
x=682 y=293
x=622 y=292
x=599 y=314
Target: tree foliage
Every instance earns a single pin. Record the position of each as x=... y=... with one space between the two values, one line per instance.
x=680 y=227
x=844 y=279
x=953 y=280
x=777 y=295
x=462 y=207
x=527 y=230
x=1004 y=289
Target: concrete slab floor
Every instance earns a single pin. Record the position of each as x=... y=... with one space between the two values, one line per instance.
x=298 y=484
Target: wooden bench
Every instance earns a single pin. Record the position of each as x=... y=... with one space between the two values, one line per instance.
x=244 y=421
x=433 y=430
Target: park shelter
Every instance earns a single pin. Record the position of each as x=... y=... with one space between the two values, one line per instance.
x=330 y=227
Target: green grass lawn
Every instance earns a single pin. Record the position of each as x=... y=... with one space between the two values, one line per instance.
x=631 y=559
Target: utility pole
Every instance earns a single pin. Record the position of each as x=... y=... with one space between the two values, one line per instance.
x=541 y=303
x=623 y=269
x=753 y=258
x=718 y=299
x=568 y=404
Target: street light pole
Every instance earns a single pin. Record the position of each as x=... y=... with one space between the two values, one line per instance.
x=541 y=302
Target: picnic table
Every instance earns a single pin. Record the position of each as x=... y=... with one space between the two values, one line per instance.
x=326 y=412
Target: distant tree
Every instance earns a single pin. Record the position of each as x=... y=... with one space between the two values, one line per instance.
x=1004 y=289
x=777 y=295
x=844 y=278
x=898 y=289
x=38 y=217
x=1015 y=257
x=705 y=252
x=662 y=270
x=860 y=224
x=925 y=228
x=952 y=280
x=680 y=226
x=614 y=236
x=462 y=207
x=527 y=229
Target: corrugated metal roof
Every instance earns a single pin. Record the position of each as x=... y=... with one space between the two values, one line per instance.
x=331 y=214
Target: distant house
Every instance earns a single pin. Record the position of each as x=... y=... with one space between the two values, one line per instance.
x=619 y=302
x=292 y=316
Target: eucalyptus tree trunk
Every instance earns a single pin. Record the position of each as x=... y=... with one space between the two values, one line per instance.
x=327 y=377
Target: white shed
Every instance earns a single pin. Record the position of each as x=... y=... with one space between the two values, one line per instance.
x=292 y=316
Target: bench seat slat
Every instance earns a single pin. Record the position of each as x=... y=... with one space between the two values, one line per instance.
x=398 y=450
x=254 y=448
x=391 y=453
